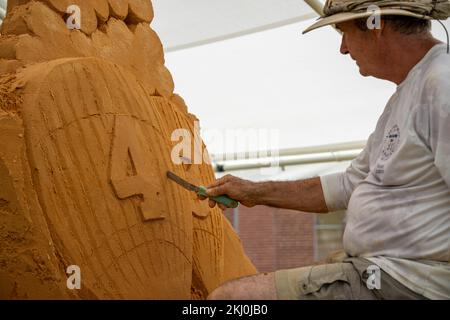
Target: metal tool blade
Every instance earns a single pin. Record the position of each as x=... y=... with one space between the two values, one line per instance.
x=182 y=182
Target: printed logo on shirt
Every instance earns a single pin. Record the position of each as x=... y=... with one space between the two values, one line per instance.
x=390 y=143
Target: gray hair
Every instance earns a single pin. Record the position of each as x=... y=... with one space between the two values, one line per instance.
x=403 y=24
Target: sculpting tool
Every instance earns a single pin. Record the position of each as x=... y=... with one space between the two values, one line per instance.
x=201 y=190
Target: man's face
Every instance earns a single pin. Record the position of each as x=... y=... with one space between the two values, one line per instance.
x=363 y=47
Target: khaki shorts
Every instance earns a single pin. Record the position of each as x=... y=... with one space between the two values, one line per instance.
x=343 y=280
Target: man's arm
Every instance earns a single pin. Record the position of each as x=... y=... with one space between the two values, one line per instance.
x=307 y=195
x=319 y=195
x=303 y=195
x=435 y=121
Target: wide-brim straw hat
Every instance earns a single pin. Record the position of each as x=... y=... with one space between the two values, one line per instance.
x=336 y=11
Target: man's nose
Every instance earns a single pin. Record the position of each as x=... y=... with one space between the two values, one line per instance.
x=344 y=49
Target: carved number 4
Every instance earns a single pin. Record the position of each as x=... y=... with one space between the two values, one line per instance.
x=131 y=171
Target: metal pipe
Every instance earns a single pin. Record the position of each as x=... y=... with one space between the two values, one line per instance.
x=286 y=161
x=316 y=5
x=289 y=152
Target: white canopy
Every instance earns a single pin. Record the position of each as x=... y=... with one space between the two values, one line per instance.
x=183 y=24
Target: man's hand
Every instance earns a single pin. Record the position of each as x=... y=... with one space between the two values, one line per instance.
x=238 y=189
x=302 y=195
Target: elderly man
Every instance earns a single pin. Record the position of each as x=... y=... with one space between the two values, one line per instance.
x=397 y=191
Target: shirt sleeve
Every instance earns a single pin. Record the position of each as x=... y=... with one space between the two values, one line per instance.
x=338 y=187
x=438 y=98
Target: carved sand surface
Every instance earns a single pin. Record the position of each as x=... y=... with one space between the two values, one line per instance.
x=86 y=118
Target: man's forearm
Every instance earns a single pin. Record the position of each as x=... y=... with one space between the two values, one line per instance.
x=303 y=195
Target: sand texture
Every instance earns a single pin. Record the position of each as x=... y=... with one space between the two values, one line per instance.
x=86 y=118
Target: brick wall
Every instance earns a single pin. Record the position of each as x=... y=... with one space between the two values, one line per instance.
x=275 y=238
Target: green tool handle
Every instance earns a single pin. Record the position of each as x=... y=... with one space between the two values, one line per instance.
x=223 y=199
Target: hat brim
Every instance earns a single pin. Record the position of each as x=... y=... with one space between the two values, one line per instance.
x=347 y=16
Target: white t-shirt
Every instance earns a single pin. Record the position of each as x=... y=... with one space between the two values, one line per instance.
x=397 y=191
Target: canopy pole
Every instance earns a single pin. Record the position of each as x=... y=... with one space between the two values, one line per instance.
x=316 y=5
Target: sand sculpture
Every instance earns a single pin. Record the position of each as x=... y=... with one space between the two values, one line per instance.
x=86 y=118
